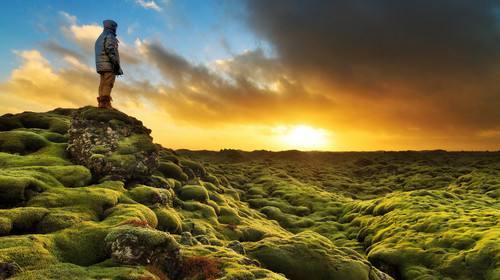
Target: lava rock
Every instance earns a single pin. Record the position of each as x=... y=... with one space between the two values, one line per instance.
x=188 y=239
x=138 y=246
x=8 y=269
x=236 y=246
x=112 y=144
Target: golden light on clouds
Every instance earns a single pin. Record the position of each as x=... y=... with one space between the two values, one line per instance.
x=344 y=100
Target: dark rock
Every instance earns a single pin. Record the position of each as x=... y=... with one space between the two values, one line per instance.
x=236 y=246
x=139 y=246
x=112 y=145
x=203 y=239
x=188 y=239
x=7 y=269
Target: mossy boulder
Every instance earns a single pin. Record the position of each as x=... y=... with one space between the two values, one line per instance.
x=172 y=170
x=192 y=168
x=21 y=142
x=21 y=220
x=151 y=196
x=137 y=245
x=112 y=144
x=50 y=121
x=81 y=245
x=168 y=220
x=193 y=192
x=308 y=253
x=229 y=216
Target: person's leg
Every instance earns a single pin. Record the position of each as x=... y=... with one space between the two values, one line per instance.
x=107 y=83
x=105 y=87
x=101 y=90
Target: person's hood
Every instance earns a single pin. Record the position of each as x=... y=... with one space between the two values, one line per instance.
x=110 y=25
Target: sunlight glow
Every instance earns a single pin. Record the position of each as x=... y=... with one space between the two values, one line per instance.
x=302 y=137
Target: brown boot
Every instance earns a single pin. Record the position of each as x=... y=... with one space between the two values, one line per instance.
x=105 y=102
x=100 y=104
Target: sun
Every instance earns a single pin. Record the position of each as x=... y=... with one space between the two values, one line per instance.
x=302 y=137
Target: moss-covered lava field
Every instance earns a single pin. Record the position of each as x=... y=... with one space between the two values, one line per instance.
x=233 y=214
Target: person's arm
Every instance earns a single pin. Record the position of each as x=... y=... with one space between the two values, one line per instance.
x=111 y=49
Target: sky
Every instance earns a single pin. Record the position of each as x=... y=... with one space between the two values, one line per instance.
x=276 y=75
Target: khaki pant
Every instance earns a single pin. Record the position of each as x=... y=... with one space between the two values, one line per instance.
x=106 y=84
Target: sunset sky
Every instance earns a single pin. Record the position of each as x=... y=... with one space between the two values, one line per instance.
x=276 y=75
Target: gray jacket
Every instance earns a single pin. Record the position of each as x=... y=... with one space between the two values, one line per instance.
x=107 y=58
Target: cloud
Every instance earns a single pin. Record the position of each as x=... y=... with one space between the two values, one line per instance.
x=68 y=18
x=37 y=81
x=83 y=35
x=37 y=86
x=240 y=90
x=57 y=49
x=426 y=64
x=381 y=75
x=149 y=5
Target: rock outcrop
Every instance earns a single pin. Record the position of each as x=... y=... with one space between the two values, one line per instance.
x=135 y=245
x=111 y=144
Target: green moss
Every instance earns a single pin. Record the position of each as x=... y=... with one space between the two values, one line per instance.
x=324 y=260
x=139 y=245
x=215 y=206
x=5 y=225
x=193 y=192
x=124 y=213
x=8 y=122
x=168 y=155
x=134 y=144
x=28 y=251
x=99 y=149
x=83 y=245
x=60 y=218
x=275 y=214
x=252 y=234
x=413 y=215
x=21 y=142
x=22 y=220
x=200 y=210
x=229 y=216
x=196 y=168
x=233 y=265
x=90 y=200
x=72 y=271
x=172 y=170
x=53 y=122
x=49 y=157
x=19 y=186
x=151 y=196
x=212 y=179
x=168 y=219
x=152 y=237
x=69 y=176
x=93 y=113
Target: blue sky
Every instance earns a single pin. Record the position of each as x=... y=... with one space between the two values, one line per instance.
x=201 y=31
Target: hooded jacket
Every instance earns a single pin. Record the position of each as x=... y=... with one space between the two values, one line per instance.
x=107 y=58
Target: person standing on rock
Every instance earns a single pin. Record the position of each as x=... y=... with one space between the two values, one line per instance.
x=107 y=61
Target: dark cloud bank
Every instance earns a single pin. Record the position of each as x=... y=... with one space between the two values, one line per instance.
x=442 y=57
